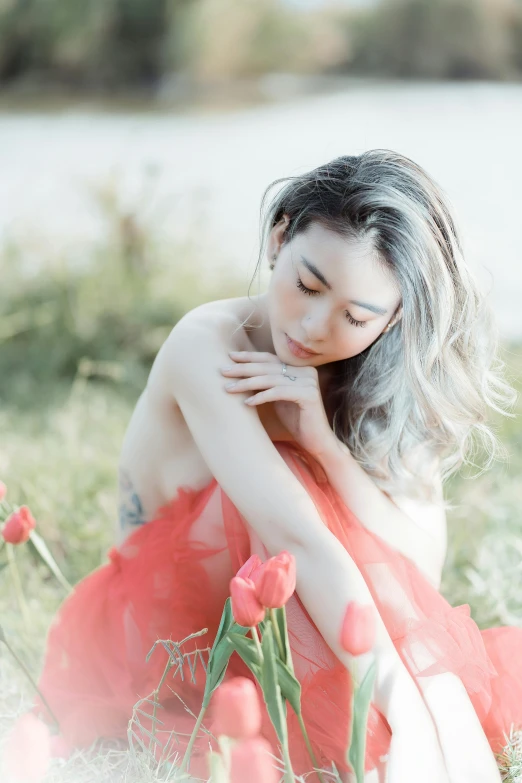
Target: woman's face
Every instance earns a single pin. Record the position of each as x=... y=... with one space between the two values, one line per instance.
x=330 y=318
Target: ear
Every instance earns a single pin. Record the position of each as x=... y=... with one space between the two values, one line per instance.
x=393 y=320
x=398 y=315
x=276 y=238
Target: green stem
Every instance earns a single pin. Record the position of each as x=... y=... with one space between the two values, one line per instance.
x=309 y=747
x=186 y=757
x=277 y=635
x=255 y=636
x=18 y=586
x=30 y=678
x=289 y=773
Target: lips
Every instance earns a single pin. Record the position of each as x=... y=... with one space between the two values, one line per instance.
x=299 y=349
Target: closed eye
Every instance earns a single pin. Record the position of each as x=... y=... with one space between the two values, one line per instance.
x=311 y=291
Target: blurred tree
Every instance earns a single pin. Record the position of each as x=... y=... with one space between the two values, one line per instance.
x=117 y=45
x=514 y=23
x=461 y=39
x=226 y=39
x=102 y=43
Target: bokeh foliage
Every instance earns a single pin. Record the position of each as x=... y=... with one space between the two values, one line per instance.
x=103 y=315
x=125 y=45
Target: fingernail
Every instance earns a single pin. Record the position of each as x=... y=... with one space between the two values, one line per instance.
x=230 y=385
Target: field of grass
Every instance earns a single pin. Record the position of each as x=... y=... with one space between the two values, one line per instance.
x=61 y=435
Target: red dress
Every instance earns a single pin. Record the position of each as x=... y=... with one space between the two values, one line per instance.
x=164 y=584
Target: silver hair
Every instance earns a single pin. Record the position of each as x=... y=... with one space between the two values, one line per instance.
x=424 y=387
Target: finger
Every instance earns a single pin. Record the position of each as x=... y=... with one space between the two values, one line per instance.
x=247 y=356
x=251 y=368
x=297 y=394
x=265 y=382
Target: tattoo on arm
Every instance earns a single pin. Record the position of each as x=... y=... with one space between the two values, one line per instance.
x=130 y=509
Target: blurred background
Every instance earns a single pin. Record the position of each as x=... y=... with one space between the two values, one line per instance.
x=136 y=139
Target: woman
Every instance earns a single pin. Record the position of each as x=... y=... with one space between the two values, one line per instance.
x=360 y=376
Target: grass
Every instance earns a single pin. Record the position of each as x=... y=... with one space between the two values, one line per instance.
x=63 y=412
x=61 y=459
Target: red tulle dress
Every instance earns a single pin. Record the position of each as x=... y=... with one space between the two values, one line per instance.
x=164 y=583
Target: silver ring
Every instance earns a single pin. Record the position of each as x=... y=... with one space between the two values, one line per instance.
x=290 y=377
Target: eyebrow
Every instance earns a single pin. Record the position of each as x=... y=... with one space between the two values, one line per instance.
x=313 y=269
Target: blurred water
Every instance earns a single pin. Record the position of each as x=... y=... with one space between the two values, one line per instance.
x=206 y=172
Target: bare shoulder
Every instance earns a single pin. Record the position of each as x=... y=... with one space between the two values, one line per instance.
x=230 y=436
x=222 y=319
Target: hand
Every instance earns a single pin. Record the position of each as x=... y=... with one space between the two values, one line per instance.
x=411 y=757
x=414 y=746
x=414 y=753
x=298 y=404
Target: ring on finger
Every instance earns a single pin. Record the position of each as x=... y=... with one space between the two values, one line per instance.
x=290 y=377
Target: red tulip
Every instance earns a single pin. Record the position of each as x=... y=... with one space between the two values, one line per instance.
x=3 y=490
x=277 y=581
x=27 y=751
x=18 y=526
x=358 y=629
x=246 y=608
x=252 y=569
x=237 y=709
x=251 y=761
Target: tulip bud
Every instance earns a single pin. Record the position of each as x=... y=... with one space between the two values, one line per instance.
x=237 y=709
x=251 y=761
x=3 y=490
x=277 y=581
x=18 y=526
x=252 y=569
x=246 y=608
x=27 y=751
x=358 y=629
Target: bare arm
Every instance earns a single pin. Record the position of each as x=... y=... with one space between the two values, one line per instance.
x=253 y=474
x=415 y=529
x=422 y=537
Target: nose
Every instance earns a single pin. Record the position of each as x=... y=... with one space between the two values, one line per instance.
x=316 y=323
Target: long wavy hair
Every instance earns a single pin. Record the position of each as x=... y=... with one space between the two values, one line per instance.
x=424 y=387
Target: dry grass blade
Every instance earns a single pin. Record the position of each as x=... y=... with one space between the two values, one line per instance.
x=146 y=714
x=510 y=759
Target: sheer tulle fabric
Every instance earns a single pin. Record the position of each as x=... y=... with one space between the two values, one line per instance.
x=165 y=582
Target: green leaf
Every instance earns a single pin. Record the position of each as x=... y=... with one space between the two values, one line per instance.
x=362 y=697
x=271 y=689
x=280 y=615
x=247 y=655
x=224 y=624
x=221 y=652
x=41 y=548
x=246 y=647
x=290 y=685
